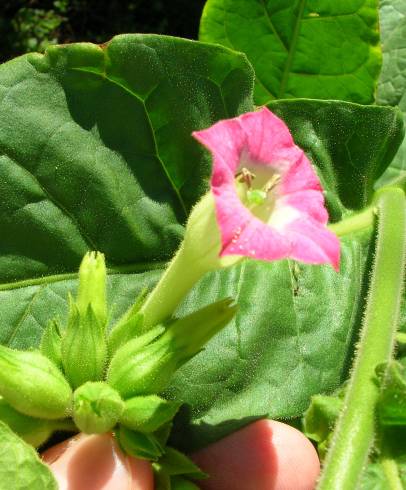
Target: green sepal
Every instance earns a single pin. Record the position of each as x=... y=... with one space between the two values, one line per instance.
x=32 y=430
x=33 y=385
x=392 y=402
x=173 y=470
x=84 y=348
x=92 y=286
x=129 y=326
x=136 y=371
x=162 y=481
x=187 y=336
x=148 y=413
x=163 y=433
x=176 y=463
x=138 y=444
x=96 y=407
x=51 y=343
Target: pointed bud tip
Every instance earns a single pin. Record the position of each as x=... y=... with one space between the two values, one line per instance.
x=97 y=407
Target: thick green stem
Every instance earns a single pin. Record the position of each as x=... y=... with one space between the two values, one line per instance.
x=355 y=223
x=355 y=429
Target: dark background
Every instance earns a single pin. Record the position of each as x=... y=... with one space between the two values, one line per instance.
x=31 y=25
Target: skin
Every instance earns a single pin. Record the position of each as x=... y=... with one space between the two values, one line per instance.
x=265 y=455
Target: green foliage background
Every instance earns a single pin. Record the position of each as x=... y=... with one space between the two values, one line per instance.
x=32 y=25
x=96 y=153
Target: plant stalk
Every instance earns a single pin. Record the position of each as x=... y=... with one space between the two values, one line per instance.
x=180 y=276
x=357 y=222
x=355 y=429
x=198 y=254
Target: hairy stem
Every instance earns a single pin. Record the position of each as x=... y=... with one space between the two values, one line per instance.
x=355 y=429
x=357 y=222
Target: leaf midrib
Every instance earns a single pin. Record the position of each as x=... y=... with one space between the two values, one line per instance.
x=292 y=50
x=124 y=269
x=141 y=101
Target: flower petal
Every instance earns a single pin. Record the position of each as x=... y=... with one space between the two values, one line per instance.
x=241 y=232
x=313 y=243
x=226 y=140
x=307 y=202
x=300 y=176
x=268 y=140
x=296 y=226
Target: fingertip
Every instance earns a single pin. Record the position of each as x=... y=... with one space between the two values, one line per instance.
x=266 y=454
x=95 y=462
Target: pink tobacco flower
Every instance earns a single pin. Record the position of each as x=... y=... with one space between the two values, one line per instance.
x=269 y=201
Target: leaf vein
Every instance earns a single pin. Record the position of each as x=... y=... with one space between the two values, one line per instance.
x=292 y=50
x=23 y=317
x=156 y=151
x=87 y=239
x=271 y=24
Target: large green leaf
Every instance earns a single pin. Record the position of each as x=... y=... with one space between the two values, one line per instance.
x=96 y=153
x=301 y=48
x=295 y=333
x=96 y=148
x=392 y=82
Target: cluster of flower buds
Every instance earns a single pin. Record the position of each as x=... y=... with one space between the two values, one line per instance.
x=84 y=377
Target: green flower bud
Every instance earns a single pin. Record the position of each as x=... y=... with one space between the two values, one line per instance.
x=51 y=343
x=32 y=430
x=148 y=413
x=92 y=286
x=130 y=325
x=84 y=349
x=33 y=385
x=96 y=407
x=147 y=370
x=139 y=445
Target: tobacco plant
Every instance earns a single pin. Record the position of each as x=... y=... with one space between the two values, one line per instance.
x=245 y=196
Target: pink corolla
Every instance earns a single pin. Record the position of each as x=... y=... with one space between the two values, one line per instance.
x=266 y=203
x=268 y=198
